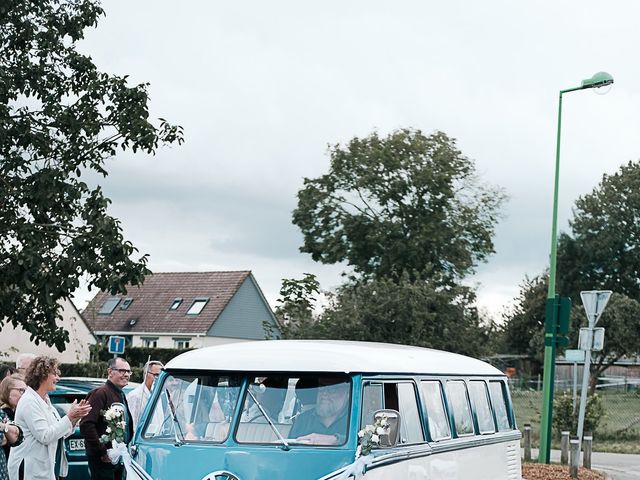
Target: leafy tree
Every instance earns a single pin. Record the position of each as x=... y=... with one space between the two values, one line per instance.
x=522 y=331
x=402 y=312
x=621 y=321
x=295 y=305
x=405 y=203
x=61 y=119
x=602 y=251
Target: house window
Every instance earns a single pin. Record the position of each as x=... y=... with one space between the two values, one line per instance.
x=125 y=303
x=197 y=306
x=109 y=306
x=150 y=342
x=176 y=303
x=182 y=343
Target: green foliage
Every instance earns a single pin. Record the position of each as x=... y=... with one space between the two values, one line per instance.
x=295 y=305
x=403 y=204
x=137 y=356
x=523 y=329
x=602 y=250
x=565 y=419
x=621 y=321
x=403 y=312
x=60 y=120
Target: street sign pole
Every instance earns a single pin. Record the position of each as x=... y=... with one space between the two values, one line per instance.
x=594 y=302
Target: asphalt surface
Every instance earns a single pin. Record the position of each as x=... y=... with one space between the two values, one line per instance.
x=619 y=466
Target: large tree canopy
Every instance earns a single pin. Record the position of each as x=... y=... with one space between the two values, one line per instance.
x=61 y=118
x=404 y=203
x=603 y=249
x=398 y=311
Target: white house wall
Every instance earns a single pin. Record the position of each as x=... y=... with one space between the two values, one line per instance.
x=168 y=340
x=14 y=341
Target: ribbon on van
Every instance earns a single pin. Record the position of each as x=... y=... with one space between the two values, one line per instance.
x=356 y=469
x=119 y=453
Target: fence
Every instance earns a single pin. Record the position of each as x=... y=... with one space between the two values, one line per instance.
x=620 y=401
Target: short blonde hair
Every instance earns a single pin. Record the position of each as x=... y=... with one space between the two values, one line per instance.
x=6 y=386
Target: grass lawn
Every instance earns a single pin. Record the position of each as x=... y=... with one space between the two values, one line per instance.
x=619 y=430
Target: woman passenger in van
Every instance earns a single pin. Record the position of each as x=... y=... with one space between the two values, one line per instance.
x=326 y=424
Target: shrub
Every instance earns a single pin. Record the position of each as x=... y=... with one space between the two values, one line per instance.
x=565 y=419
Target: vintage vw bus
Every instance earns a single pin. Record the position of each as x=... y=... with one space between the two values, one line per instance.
x=292 y=410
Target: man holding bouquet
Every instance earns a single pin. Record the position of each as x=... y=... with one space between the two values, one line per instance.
x=95 y=425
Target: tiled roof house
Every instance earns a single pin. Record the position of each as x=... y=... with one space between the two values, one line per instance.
x=184 y=310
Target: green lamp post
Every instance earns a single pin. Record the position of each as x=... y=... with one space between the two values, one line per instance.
x=600 y=79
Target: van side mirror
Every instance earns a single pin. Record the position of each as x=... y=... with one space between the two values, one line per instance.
x=393 y=417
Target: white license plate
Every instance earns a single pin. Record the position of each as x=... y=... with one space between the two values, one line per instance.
x=76 y=444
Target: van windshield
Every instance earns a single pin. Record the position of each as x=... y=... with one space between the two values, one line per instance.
x=194 y=408
x=302 y=410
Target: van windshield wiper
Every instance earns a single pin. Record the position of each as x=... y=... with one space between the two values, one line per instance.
x=176 y=422
x=285 y=445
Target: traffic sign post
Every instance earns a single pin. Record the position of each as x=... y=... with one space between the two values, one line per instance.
x=594 y=302
x=575 y=356
x=116 y=345
x=556 y=327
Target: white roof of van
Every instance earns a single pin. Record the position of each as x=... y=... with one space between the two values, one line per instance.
x=329 y=356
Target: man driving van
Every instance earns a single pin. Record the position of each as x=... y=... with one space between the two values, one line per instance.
x=326 y=424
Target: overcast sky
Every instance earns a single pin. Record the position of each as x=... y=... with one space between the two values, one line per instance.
x=261 y=88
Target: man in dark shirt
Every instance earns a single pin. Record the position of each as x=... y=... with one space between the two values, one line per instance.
x=94 y=424
x=326 y=424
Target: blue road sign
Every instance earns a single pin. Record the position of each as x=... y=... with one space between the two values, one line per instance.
x=116 y=345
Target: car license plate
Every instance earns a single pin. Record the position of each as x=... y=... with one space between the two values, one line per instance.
x=76 y=444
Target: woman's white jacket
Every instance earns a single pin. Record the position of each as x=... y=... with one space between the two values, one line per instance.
x=42 y=427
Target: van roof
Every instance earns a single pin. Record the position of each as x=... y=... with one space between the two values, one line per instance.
x=329 y=356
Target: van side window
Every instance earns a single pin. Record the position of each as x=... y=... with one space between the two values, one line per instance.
x=459 y=401
x=436 y=413
x=400 y=396
x=499 y=405
x=480 y=402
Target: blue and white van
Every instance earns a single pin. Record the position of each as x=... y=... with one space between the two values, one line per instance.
x=292 y=410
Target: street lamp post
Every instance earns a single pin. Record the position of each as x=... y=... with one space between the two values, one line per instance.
x=600 y=79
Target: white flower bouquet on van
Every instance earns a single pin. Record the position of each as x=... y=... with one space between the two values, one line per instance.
x=369 y=436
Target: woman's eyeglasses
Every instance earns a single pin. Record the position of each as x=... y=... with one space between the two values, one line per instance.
x=21 y=390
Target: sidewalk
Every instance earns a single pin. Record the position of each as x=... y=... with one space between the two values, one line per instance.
x=619 y=466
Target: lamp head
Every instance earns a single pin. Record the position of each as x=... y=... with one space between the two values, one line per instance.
x=600 y=79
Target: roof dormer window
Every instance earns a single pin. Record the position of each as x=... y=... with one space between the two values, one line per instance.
x=197 y=306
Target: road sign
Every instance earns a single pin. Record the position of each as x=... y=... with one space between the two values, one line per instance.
x=575 y=356
x=598 y=339
x=594 y=302
x=116 y=345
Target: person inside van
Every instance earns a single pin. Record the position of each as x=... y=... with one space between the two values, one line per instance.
x=326 y=423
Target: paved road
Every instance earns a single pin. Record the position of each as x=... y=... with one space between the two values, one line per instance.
x=618 y=466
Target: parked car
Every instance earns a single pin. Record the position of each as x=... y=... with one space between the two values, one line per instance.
x=67 y=390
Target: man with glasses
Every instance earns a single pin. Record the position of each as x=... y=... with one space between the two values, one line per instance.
x=326 y=424
x=94 y=424
x=139 y=396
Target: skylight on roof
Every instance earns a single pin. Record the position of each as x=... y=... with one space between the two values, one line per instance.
x=176 y=303
x=125 y=303
x=109 y=306
x=197 y=306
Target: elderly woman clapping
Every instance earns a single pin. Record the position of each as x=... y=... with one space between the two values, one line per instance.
x=42 y=426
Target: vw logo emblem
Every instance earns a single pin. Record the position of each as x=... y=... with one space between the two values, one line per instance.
x=220 y=475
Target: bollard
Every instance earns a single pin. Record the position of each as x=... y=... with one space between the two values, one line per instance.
x=587 y=445
x=527 y=442
x=575 y=457
x=564 y=448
